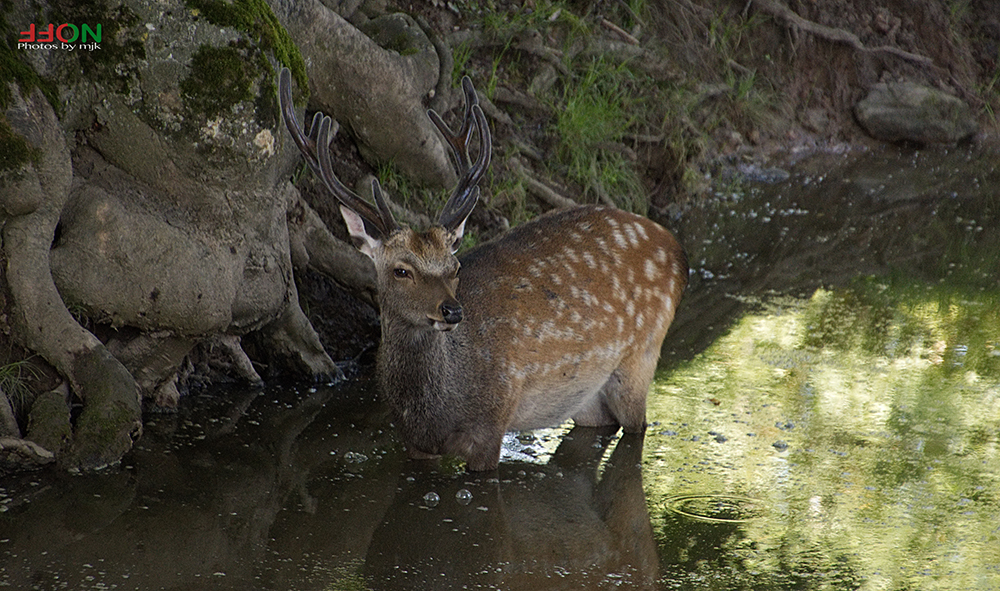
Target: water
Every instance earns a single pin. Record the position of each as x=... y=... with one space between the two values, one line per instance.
x=827 y=416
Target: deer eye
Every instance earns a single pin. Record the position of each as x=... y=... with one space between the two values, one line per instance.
x=401 y=273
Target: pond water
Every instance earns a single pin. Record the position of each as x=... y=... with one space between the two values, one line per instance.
x=826 y=416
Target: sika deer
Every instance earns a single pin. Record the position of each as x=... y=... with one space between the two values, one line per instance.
x=563 y=317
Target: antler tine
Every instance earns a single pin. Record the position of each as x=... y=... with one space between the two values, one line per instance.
x=316 y=149
x=463 y=199
x=459 y=142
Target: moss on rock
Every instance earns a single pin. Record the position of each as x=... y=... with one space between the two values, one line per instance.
x=15 y=152
x=121 y=44
x=256 y=18
x=14 y=69
x=220 y=78
x=49 y=421
x=111 y=416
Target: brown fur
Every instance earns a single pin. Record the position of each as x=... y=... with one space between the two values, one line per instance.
x=563 y=317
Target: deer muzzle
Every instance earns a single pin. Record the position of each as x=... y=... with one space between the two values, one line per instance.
x=451 y=315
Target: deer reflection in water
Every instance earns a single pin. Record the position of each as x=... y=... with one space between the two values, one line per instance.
x=560 y=525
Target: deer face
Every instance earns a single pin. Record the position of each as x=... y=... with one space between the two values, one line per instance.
x=417 y=274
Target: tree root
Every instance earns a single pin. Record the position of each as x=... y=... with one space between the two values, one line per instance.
x=540 y=189
x=314 y=247
x=111 y=416
x=779 y=10
x=19 y=454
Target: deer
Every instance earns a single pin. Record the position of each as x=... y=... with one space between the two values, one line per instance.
x=561 y=317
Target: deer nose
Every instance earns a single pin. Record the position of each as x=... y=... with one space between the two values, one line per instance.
x=451 y=312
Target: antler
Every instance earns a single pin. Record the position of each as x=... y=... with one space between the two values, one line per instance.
x=463 y=199
x=316 y=148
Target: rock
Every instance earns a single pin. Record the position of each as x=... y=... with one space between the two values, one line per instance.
x=910 y=112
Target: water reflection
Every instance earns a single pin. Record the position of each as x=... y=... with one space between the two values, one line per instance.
x=866 y=421
x=564 y=524
x=827 y=417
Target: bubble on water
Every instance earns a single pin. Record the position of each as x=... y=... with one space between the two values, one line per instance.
x=463 y=496
x=431 y=499
x=352 y=457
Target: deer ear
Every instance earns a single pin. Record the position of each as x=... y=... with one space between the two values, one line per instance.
x=456 y=237
x=364 y=241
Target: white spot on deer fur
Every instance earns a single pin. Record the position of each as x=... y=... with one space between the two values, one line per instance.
x=621 y=324
x=642 y=231
x=650 y=268
x=602 y=245
x=570 y=254
x=660 y=256
x=630 y=308
x=639 y=320
x=608 y=308
x=535 y=271
x=620 y=239
x=589 y=258
x=613 y=222
x=633 y=237
x=556 y=280
x=576 y=237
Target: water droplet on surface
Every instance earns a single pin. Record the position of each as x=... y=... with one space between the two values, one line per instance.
x=432 y=499
x=463 y=496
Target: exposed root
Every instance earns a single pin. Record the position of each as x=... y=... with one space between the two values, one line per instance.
x=19 y=454
x=625 y=36
x=779 y=10
x=540 y=189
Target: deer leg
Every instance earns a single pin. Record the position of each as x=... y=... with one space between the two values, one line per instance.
x=481 y=450
x=624 y=394
x=595 y=413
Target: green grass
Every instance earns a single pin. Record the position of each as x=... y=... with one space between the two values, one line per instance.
x=593 y=116
x=15 y=380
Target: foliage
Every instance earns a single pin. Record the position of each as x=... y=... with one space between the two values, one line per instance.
x=16 y=378
x=592 y=119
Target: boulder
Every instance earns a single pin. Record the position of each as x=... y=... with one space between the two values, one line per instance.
x=905 y=111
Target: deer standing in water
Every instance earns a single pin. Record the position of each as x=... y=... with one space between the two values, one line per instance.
x=562 y=317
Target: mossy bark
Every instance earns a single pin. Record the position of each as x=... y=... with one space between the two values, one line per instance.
x=112 y=417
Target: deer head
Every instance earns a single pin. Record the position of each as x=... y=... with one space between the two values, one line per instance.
x=417 y=271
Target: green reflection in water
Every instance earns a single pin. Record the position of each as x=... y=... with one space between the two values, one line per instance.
x=861 y=423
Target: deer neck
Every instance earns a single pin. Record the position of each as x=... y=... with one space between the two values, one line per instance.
x=417 y=358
